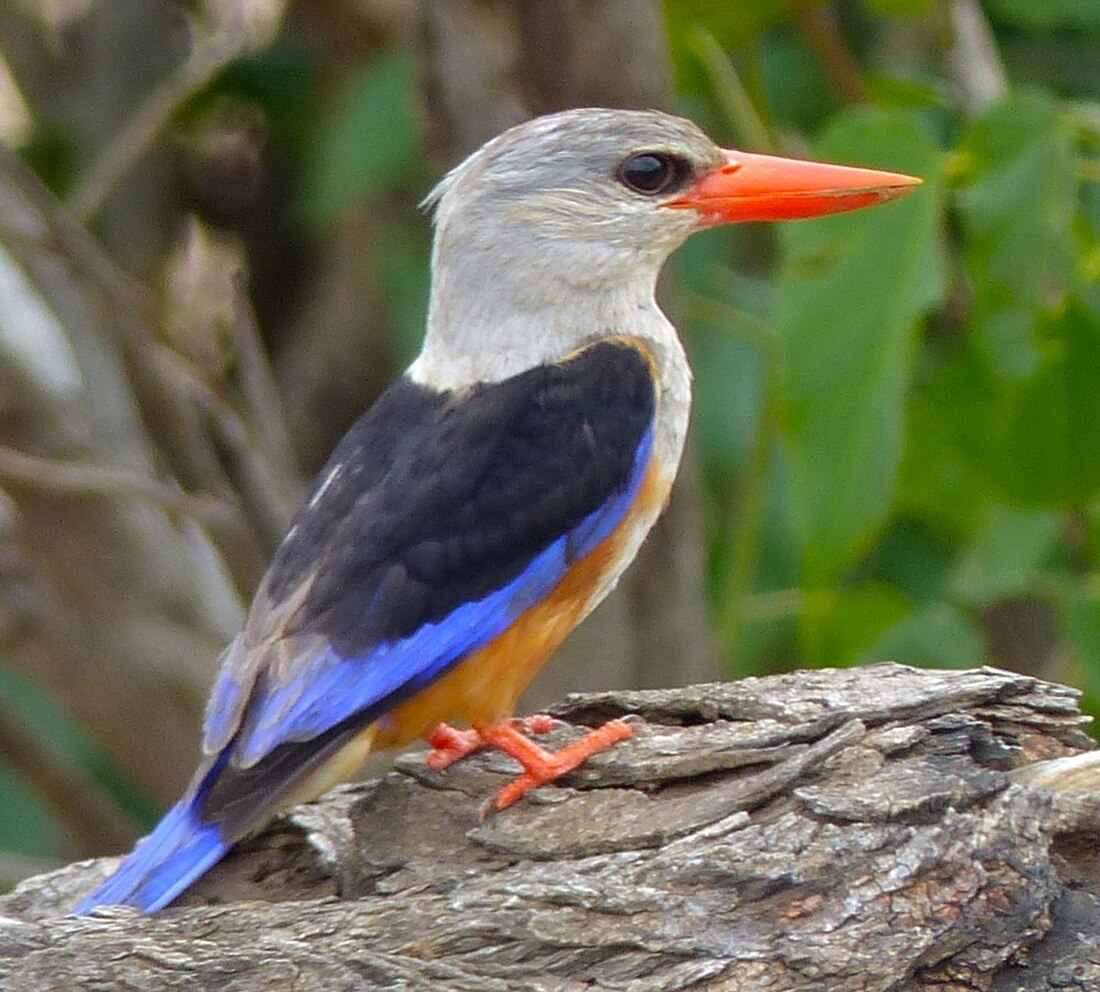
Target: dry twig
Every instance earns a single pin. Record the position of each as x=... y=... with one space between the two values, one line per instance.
x=973 y=57
x=210 y=56
x=107 y=482
x=816 y=22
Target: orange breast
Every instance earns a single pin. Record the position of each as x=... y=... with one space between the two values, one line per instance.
x=484 y=689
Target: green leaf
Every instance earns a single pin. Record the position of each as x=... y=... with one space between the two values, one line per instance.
x=1017 y=210
x=724 y=316
x=729 y=380
x=732 y=24
x=937 y=635
x=852 y=291
x=1037 y=441
x=899 y=8
x=27 y=825
x=915 y=559
x=777 y=564
x=795 y=84
x=1092 y=532
x=1047 y=15
x=369 y=142
x=908 y=93
x=1083 y=623
x=46 y=719
x=284 y=80
x=837 y=628
x=1006 y=556
x=1017 y=399
x=1050 y=450
x=404 y=273
x=939 y=482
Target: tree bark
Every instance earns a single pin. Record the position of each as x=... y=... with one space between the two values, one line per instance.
x=873 y=829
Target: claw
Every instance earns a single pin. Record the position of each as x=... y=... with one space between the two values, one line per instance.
x=449 y=744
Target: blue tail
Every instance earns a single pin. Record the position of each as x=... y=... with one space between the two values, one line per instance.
x=177 y=852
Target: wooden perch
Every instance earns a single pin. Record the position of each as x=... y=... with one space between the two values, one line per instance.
x=874 y=829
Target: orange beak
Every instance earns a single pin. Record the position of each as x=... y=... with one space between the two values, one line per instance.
x=766 y=187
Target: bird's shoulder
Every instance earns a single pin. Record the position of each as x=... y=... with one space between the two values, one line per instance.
x=450 y=492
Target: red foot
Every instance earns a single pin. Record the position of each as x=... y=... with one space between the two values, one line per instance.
x=544 y=766
x=448 y=744
x=540 y=766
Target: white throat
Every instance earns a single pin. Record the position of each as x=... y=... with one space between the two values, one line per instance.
x=485 y=334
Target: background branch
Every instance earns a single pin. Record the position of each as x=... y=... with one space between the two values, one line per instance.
x=973 y=57
x=818 y=25
x=106 y=481
x=213 y=52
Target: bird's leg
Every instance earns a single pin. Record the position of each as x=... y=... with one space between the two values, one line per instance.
x=448 y=745
x=541 y=766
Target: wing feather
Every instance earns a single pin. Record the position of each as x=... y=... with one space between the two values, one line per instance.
x=437 y=522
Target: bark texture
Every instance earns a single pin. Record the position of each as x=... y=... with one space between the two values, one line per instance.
x=874 y=829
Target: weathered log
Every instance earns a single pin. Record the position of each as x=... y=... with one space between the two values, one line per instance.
x=874 y=829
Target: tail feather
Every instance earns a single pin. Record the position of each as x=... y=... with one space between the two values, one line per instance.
x=177 y=852
x=222 y=805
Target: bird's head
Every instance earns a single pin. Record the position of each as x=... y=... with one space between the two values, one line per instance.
x=584 y=206
x=612 y=188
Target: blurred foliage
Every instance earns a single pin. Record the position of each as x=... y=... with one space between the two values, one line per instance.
x=899 y=420
x=898 y=410
x=27 y=825
x=366 y=144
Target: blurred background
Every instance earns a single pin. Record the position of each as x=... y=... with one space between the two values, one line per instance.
x=211 y=261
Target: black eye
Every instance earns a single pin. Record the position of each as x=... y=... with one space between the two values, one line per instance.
x=652 y=172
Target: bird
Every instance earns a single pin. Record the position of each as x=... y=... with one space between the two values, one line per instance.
x=494 y=494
